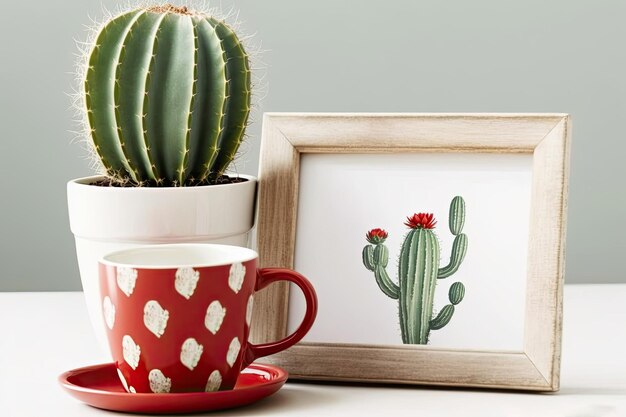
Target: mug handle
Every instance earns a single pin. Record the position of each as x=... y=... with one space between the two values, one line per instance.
x=266 y=276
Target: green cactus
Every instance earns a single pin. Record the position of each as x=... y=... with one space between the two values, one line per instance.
x=167 y=94
x=418 y=271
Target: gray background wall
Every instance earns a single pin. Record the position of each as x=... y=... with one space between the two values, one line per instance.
x=333 y=55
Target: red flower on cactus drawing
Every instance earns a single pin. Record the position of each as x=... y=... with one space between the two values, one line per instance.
x=376 y=236
x=421 y=221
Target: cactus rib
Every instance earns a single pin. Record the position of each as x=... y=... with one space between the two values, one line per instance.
x=157 y=173
x=194 y=88
x=127 y=145
x=207 y=115
x=132 y=71
x=169 y=102
x=100 y=82
x=237 y=105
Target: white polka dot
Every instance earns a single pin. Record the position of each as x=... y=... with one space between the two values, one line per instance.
x=126 y=279
x=236 y=276
x=123 y=380
x=186 y=281
x=108 y=311
x=155 y=317
x=214 y=316
x=159 y=383
x=233 y=351
x=130 y=351
x=214 y=382
x=190 y=353
x=249 y=309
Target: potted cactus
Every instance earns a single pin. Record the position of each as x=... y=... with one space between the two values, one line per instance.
x=165 y=101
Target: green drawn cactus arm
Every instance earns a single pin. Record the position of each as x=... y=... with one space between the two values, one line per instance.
x=443 y=318
x=375 y=258
x=455 y=295
x=391 y=289
x=459 y=249
x=368 y=257
x=456 y=219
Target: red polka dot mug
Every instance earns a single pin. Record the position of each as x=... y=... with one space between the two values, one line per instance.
x=178 y=316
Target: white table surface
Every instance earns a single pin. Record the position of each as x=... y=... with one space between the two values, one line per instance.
x=44 y=334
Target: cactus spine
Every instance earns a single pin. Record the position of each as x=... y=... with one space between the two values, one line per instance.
x=167 y=94
x=418 y=271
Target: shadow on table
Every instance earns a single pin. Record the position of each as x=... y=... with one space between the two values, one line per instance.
x=288 y=398
x=580 y=390
x=295 y=396
x=591 y=391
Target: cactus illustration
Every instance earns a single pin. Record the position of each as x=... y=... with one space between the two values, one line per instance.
x=167 y=96
x=418 y=272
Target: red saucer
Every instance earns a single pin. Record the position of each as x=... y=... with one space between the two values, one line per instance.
x=99 y=386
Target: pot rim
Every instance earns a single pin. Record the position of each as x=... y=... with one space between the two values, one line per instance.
x=86 y=182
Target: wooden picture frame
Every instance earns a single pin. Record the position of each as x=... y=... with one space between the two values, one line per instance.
x=286 y=136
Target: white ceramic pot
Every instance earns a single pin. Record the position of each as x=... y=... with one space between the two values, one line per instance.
x=107 y=219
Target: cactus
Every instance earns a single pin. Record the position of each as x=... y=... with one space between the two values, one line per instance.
x=418 y=271
x=167 y=95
